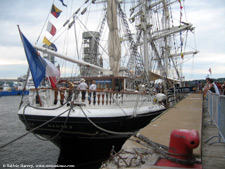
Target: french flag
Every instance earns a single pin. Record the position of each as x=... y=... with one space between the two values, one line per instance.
x=51 y=28
x=39 y=67
x=52 y=72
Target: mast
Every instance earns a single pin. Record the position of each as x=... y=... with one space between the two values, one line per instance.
x=145 y=38
x=114 y=47
x=166 y=39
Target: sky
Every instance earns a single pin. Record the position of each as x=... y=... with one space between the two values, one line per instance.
x=207 y=17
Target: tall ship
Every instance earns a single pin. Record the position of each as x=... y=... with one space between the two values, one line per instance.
x=129 y=49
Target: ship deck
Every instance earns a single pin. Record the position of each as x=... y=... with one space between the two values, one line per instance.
x=189 y=113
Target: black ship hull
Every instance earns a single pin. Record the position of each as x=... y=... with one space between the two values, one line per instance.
x=86 y=143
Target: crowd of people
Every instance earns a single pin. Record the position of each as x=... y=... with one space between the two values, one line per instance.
x=158 y=88
x=199 y=87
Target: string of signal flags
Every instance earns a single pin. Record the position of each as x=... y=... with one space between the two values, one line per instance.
x=55 y=11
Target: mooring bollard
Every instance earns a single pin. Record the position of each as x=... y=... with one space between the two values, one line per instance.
x=182 y=143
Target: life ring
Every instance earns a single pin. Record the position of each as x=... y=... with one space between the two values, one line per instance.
x=71 y=85
x=62 y=90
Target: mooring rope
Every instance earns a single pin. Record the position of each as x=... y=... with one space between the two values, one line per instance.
x=49 y=139
x=102 y=129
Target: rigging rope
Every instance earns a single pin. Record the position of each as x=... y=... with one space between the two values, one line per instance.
x=24 y=87
x=44 y=24
x=23 y=135
x=135 y=59
x=93 y=35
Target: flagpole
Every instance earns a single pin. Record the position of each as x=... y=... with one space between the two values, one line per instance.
x=28 y=72
x=38 y=97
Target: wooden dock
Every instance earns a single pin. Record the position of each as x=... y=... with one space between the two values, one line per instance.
x=187 y=114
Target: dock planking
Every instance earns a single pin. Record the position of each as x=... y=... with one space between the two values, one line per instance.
x=190 y=113
x=187 y=114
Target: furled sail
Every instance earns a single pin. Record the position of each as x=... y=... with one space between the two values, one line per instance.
x=114 y=47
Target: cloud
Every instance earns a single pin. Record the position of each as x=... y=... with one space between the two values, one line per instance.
x=199 y=65
x=31 y=15
x=207 y=18
x=12 y=71
x=12 y=55
x=209 y=33
x=13 y=62
x=209 y=57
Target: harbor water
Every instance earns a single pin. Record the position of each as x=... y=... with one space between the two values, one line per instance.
x=28 y=151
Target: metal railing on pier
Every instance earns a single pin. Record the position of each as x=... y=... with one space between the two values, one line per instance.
x=216 y=110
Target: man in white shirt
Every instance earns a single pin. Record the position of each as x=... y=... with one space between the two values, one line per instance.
x=92 y=87
x=83 y=86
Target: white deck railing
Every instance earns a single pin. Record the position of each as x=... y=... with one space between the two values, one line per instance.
x=48 y=97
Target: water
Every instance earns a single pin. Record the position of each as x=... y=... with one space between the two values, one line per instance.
x=29 y=150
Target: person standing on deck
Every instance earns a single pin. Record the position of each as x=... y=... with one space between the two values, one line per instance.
x=92 y=87
x=83 y=86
